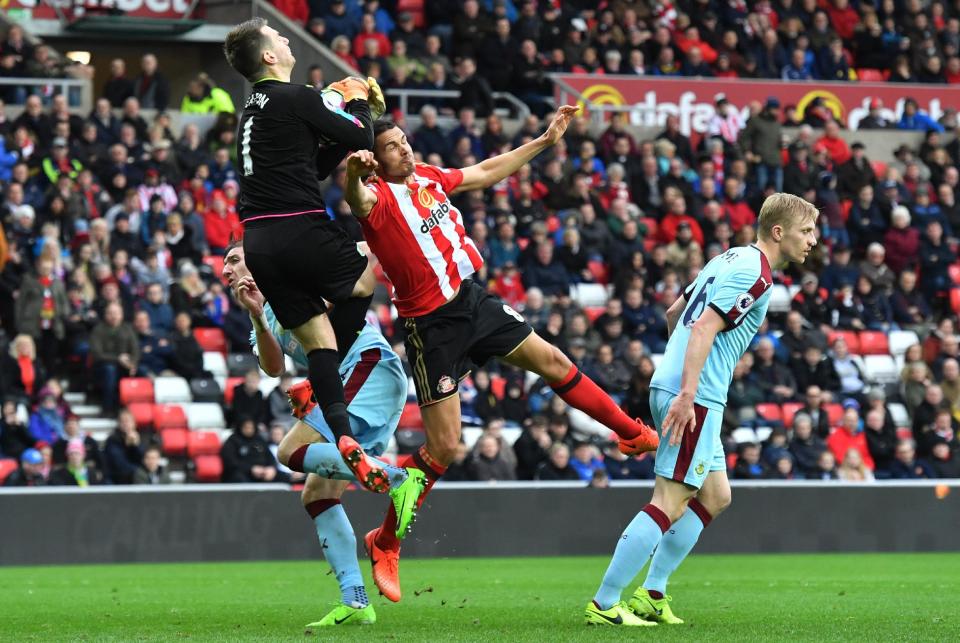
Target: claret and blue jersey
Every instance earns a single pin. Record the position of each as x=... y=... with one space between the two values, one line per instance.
x=736 y=285
x=374 y=384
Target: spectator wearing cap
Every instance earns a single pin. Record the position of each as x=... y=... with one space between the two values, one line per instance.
x=59 y=162
x=915 y=119
x=72 y=432
x=406 y=31
x=115 y=352
x=683 y=252
x=850 y=435
x=246 y=455
x=925 y=211
x=726 y=122
x=800 y=173
x=124 y=238
x=46 y=422
x=760 y=143
x=812 y=301
x=78 y=470
x=856 y=173
x=30 y=473
x=153 y=186
x=875 y=118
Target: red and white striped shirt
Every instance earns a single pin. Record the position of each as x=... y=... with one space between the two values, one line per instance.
x=419 y=238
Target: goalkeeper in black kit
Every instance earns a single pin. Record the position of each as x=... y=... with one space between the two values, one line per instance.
x=290 y=138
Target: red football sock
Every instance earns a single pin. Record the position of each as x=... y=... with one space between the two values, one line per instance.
x=580 y=392
x=387 y=538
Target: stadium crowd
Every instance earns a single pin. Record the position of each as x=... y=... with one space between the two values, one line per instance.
x=113 y=228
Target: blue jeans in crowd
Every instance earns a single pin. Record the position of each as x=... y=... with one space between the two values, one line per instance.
x=767 y=172
x=108 y=375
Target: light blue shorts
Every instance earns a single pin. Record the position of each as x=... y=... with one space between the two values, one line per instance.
x=375 y=398
x=700 y=451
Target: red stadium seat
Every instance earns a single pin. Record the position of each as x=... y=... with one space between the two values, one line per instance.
x=202 y=443
x=845 y=206
x=852 y=339
x=873 y=342
x=498 y=386
x=954 y=271
x=410 y=417
x=136 y=389
x=211 y=339
x=834 y=413
x=592 y=312
x=955 y=300
x=7 y=466
x=770 y=412
x=169 y=416
x=216 y=264
x=414 y=8
x=652 y=226
x=228 y=389
x=904 y=433
x=174 y=441
x=208 y=468
x=142 y=414
x=868 y=75
x=599 y=271
x=879 y=168
x=789 y=411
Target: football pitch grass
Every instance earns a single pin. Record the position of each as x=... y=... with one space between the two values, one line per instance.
x=862 y=597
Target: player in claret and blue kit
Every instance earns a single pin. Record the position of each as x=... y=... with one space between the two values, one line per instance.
x=710 y=328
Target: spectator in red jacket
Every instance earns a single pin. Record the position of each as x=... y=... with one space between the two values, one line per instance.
x=850 y=435
x=219 y=223
x=509 y=287
x=296 y=10
x=833 y=143
x=902 y=241
x=676 y=215
x=735 y=207
x=844 y=20
x=368 y=31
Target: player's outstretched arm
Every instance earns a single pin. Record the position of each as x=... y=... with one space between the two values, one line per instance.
x=493 y=170
x=352 y=128
x=268 y=349
x=681 y=415
x=359 y=197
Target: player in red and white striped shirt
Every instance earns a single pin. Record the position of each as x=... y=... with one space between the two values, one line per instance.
x=419 y=236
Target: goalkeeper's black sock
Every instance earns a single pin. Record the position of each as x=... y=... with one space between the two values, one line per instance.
x=328 y=390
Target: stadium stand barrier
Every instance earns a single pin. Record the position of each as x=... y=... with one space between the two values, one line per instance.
x=247 y=522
